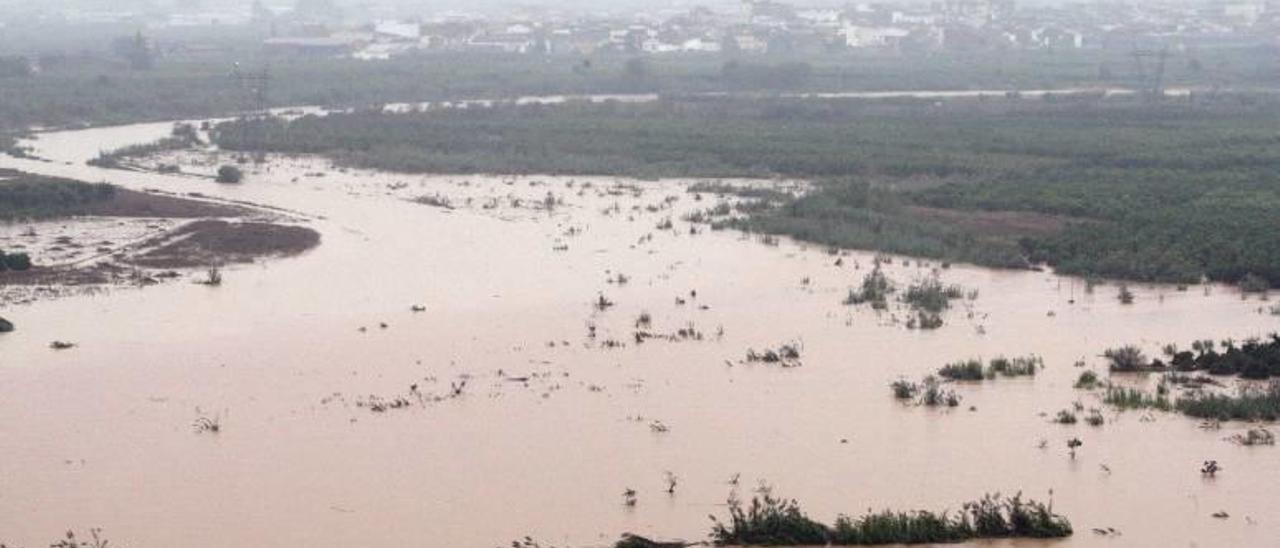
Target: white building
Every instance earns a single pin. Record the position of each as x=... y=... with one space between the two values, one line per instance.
x=397 y=30
x=1244 y=12
x=820 y=17
x=383 y=51
x=504 y=43
x=750 y=43
x=856 y=36
x=701 y=45
x=914 y=18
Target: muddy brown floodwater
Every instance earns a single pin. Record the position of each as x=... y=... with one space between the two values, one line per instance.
x=339 y=423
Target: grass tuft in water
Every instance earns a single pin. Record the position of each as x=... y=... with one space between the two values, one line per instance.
x=1250 y=403
x=1125 y=398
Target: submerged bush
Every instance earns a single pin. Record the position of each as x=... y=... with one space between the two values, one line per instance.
x=875 y=290
x=771 y=521
x=1087 y=380
x=925 y=320
x=1127 y=358
x=934 y=395
x=904 y=389
x=931 y=296
x=973 y=370
x=1022 y=366
x=230 y=174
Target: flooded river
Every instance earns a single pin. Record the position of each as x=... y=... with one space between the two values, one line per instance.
x=294 y=357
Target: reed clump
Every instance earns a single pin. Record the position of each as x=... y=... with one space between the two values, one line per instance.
x=1127 y=359
x=1125 y=398
x=932 y=295
x=875 y=290
x=1087 y=380
x=773 y=521
x=1249 y=403
x=974 y=370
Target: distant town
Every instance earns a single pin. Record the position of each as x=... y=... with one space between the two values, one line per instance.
x=324 y=28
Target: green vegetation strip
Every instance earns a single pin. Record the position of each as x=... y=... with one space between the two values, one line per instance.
x=1171 y=191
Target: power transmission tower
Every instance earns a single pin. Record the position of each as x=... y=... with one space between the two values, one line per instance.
x=1153 y=86
x=256 y=83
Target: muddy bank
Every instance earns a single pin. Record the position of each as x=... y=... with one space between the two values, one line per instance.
x=83 y=238
x=129 y=203
x=216 y=242
x=139 y=254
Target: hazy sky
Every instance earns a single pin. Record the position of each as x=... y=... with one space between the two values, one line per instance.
x=430 y=6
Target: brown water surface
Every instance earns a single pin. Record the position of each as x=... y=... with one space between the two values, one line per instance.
x=290 y=356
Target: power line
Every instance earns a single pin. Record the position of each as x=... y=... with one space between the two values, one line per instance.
x=258 y=84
